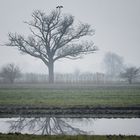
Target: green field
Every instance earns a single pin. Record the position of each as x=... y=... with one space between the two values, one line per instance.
x=70 y=95
x=79 y=137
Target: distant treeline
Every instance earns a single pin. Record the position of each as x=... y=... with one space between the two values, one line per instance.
x=69 y=78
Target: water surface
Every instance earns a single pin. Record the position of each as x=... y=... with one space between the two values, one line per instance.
x=71 y=126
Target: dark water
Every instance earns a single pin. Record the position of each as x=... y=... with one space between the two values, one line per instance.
x=71 y=126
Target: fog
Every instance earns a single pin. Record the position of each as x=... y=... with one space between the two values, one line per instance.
x=116 y=23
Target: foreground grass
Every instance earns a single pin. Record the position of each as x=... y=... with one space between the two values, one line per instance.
x=80 y=95
x=79 y=137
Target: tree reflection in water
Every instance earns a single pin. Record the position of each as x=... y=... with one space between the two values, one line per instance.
x=44 y=126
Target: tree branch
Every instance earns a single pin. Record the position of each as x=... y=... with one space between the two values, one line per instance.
x=74 y=51
x=29 y=46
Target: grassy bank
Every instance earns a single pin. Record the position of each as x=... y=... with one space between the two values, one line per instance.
x=70 y=95
x=80 y=137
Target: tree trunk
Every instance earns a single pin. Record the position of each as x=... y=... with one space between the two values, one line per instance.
x=130 y=81
x=51 y=72
x=11 y=79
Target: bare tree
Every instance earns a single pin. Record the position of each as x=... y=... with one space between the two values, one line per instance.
x=54 y=37
x=130 y=74
x=113 y=64
x=10 y=73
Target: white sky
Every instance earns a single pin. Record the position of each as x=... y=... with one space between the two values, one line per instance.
x=117 y=25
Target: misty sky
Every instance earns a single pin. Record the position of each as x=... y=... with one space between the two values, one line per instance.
x=117 y=25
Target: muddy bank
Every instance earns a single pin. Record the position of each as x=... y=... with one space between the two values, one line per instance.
x=72 y=112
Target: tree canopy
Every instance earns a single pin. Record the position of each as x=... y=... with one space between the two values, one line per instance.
x=130 y=74
x=10 y=73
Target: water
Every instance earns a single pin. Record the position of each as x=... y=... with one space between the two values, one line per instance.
x=71 y=126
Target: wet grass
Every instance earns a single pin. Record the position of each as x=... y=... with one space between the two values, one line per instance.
x=61 y=137
x=70 y=95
